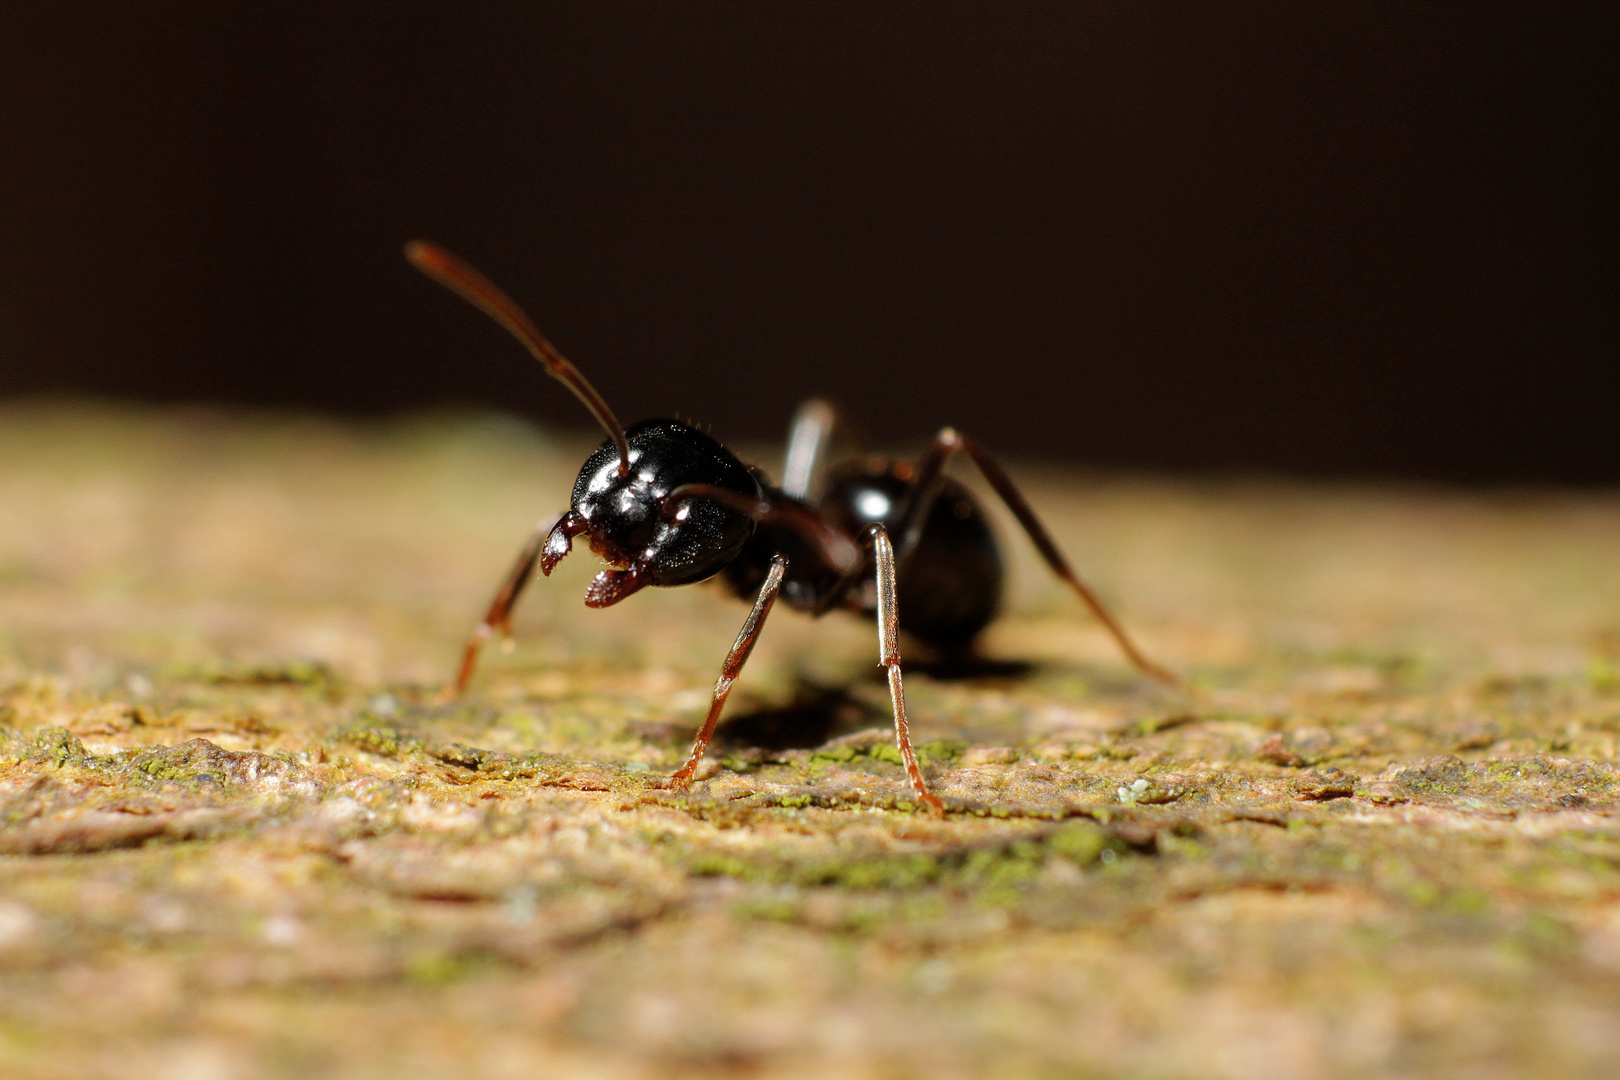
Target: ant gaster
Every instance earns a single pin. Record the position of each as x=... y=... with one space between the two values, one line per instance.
x=665 y=504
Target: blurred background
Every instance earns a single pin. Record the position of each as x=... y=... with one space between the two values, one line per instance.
x=1363 y=240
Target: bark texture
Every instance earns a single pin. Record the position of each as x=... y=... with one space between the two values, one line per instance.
x=240 y=838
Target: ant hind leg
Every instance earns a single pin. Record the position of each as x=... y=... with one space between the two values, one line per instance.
x=948 y=442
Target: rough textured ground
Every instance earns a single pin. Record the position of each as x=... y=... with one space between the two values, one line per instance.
x=239 y=840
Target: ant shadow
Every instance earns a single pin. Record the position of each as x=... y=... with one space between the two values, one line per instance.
x=815 y=715
x=969 y=667
x=818 y=713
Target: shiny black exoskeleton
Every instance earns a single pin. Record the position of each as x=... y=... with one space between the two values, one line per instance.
x=665 y=504
x=623 y=514
x=949 y=584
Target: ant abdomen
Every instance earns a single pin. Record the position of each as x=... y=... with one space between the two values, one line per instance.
x=950 y=580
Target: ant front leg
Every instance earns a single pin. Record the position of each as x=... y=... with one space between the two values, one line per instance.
x=946 y=443
x=732 y=668
x=888 y=620
x=498 y=619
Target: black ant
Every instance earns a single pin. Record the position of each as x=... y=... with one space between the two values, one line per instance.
x=665 y=504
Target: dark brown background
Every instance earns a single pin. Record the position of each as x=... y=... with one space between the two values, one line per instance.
x=1332 y=239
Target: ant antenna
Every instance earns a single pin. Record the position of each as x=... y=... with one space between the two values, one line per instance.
x=480 y=292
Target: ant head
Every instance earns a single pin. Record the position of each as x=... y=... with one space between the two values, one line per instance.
x=631 y=523
x=621 y=499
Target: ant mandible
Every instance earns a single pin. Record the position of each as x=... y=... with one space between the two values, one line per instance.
x=665 y=504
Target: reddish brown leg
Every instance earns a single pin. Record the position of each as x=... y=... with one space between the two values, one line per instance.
x=498 y=620
x=888 y=620
x=732 y=668
x=946 y=443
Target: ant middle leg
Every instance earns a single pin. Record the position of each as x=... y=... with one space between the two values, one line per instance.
x=947 y=442
x=840 y=554
x=732 y=668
